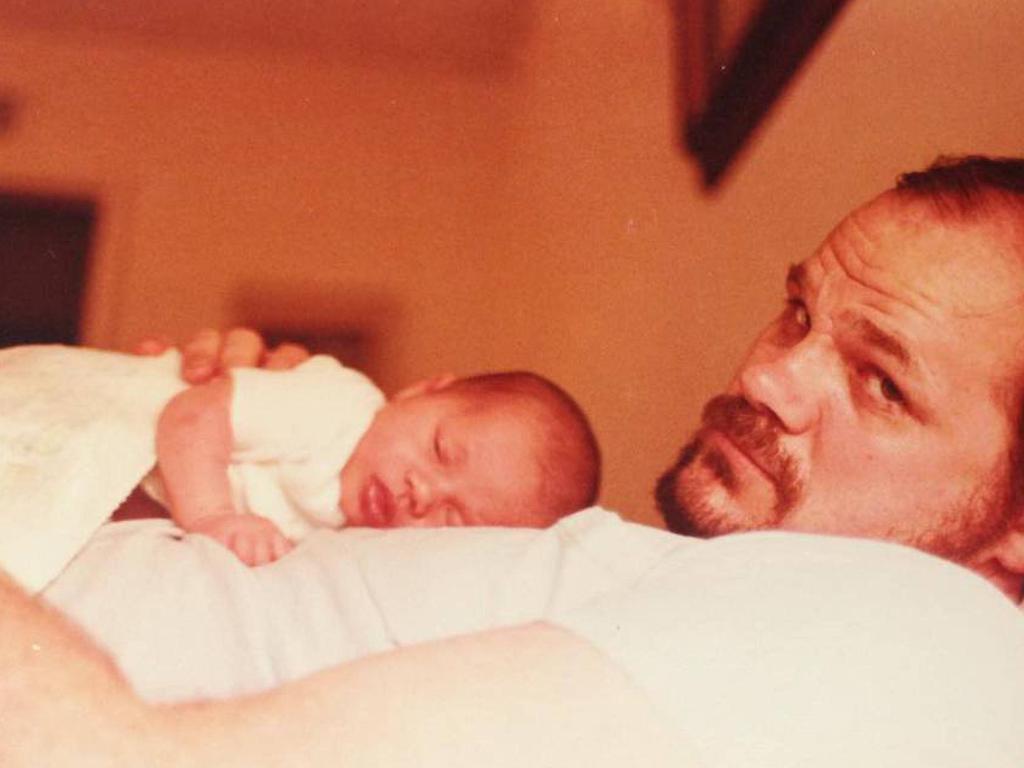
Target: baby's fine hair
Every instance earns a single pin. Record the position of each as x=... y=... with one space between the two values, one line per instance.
x=571 y=457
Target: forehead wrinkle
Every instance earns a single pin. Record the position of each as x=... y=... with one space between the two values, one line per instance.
x=860 y=248
x=972 y=239
x=857 y=252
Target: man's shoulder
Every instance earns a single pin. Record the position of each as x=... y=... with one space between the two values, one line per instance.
x=876 y=644
x=607 y=534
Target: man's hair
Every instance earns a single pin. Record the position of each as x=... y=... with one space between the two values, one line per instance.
x=969 y=187
x=570 y=460
x=976 y=188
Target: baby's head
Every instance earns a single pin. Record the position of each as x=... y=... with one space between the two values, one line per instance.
x=509 y=449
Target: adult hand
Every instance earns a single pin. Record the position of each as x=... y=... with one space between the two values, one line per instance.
x=211 y=352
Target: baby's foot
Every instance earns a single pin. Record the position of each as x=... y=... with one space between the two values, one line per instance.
x=255 y=540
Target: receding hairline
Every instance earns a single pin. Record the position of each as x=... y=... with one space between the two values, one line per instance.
x=968 y=188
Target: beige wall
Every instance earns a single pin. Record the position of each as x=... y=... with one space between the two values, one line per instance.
x=536 y=214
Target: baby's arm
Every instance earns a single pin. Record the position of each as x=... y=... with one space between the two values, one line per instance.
x=193 y=446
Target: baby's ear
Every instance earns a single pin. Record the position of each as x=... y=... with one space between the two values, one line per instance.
x=426 y=386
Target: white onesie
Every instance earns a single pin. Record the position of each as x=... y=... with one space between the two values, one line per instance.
x=78 y=434
x=293 y=432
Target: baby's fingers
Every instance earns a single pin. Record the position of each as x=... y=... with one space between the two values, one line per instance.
x=255 y=548
x=280 y=546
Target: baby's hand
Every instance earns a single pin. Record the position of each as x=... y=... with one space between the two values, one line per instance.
x=255 y=540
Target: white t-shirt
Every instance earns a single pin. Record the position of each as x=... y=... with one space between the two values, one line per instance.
x=293 y=432
x=185 y=618
x=781 y=649
x=768 y=649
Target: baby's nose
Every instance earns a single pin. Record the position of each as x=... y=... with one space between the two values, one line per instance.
x=421 y=493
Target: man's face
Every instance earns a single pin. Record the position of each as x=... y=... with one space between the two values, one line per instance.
x=879 y=402
x=441 y=459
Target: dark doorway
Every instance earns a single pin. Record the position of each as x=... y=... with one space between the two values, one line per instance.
x=44 y=248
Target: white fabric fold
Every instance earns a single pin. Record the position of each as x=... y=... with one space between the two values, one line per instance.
x=76 y=435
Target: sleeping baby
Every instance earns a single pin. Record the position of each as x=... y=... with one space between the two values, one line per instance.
x=258 y=458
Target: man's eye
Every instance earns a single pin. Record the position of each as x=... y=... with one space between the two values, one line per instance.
x=890 y=391
x=883 y=387
x=794 y=324
x=797 y=311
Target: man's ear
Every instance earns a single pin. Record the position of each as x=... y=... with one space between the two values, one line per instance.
x=1002 y=562
x=426 y=386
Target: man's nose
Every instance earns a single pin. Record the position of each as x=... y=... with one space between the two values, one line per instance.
x=792 y=382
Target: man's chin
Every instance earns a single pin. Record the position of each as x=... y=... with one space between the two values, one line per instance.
x=704 y=514
x=695 y=500
x=683 y=499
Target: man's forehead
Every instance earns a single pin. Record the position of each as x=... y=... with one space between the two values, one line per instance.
x=905 y=249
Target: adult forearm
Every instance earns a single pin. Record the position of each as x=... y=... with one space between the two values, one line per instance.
x=62 y=702
x=527 y=696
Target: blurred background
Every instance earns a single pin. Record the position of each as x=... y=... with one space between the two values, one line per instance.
x=458 y=185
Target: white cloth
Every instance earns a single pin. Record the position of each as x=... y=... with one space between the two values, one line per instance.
x=76 y=435
x=293 y=431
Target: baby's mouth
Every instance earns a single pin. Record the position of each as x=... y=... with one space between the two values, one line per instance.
x=377 y=504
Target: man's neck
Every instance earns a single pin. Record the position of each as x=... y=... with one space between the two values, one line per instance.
x=1008 y=582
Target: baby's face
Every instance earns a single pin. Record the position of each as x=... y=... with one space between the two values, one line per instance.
x=437 y=459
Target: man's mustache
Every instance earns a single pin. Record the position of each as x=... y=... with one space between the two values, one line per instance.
x=756 y=432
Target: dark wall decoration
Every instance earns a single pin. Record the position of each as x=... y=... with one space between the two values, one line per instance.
x=735 y=58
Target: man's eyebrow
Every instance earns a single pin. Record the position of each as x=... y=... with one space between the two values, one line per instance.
x=796 y=277
x=889 y=344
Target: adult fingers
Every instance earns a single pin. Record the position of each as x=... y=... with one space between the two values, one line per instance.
x=242 y=347
x=285 y=356
x=151 y=346
x=200 y=357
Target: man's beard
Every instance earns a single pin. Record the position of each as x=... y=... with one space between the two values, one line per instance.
x=688 y=508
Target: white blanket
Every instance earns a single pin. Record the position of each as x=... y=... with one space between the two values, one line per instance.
x=76 y=435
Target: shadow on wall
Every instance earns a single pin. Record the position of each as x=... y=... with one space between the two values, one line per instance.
x=479 y=38
x=355 y=326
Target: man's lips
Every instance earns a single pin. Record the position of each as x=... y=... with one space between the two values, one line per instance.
x=749 y=436
x=747 y=452
x=377 y=504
